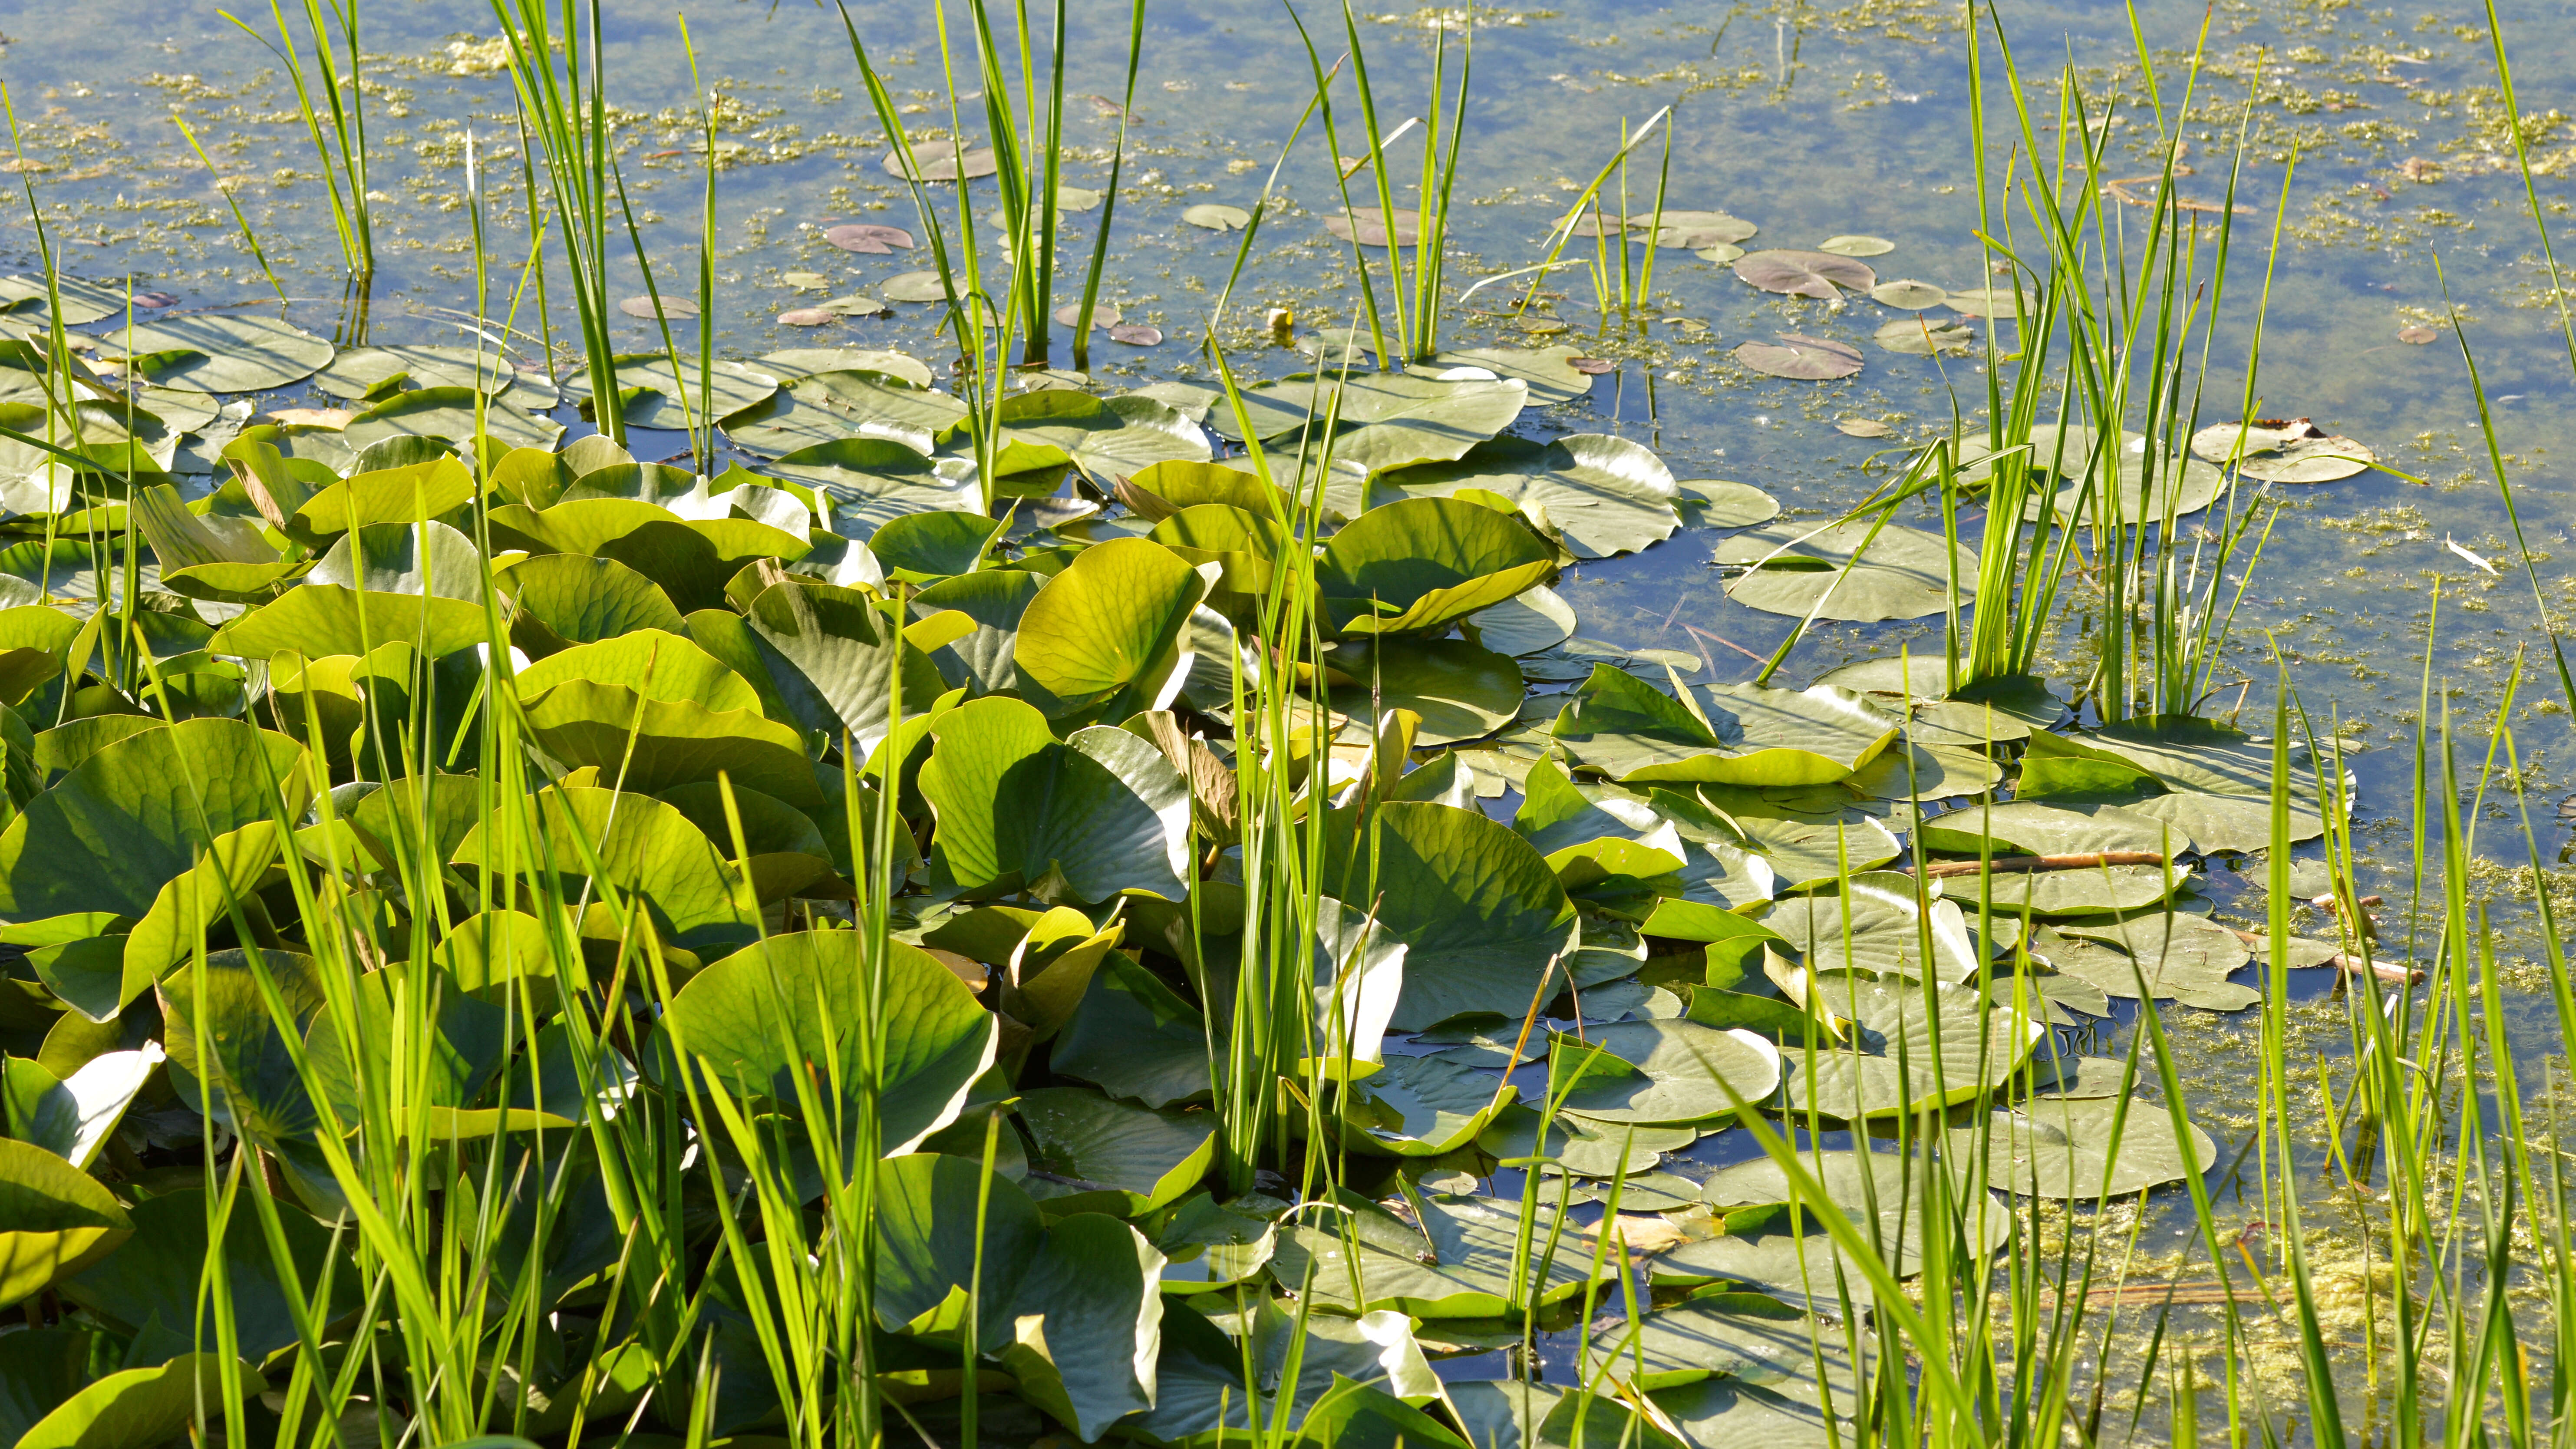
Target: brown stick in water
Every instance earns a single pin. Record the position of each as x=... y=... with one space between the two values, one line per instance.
x=2081 y=860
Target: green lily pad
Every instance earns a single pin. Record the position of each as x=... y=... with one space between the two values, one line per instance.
x=1089 y=1153
x=1745 y=734
x=1423 y=564
x=1216 y=216
x=2215 y=823
x=1856 y=246
x=1770 y=1246
x=1201 y=1392
x=1087 y=1324
x=1134 y=1037
x=1604 y=495
x=1875 y=924
x=2296 y=451
x=757 y=1019
x=1097 y=814
x=1902 y=573
x=1913 y=1046
x=1205 y=1246
x=1107 y=438
x=1461 y=692
x=1583 y=1148
x=2185 y=957
x=451 y=413
x=1908 y=296
x=1537 y=618
x=647 y=849
x=983 y=661
x=827 y=407
x=234 y=351
x=2061 y=1147
x=1925 y=336
x=2187 y=753
x=1421 y=1107
x=1458 y=1262
x=1104 y=636
x=1545 y=370
x=152 y=1284
x=1480 y=913
x=2030 y=827
x=1666 y=1071
x=60 y=1220
x=140 y=1405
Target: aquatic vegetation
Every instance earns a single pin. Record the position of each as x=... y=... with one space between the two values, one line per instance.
x=977 y=889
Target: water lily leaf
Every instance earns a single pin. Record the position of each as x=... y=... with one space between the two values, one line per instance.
x=981 y=660
x=1922 y=337
x=1904 y=573
x=1536 y=618
x=915 y=287
x=2295 y=451
x=1547 y=371
x=1421 y=1107
x=869 y=238
x=943 y=1224
x=1087 y=1324
x=1426 y=563
x=1106 y=635
x=647 y=849
x=1107 y=438
x=1804 y=274
x=2028 y=827
x=1216 y=216
x=459 y=415
x=1604 y=495
x=2099 y=891
x=564 y=599
x=1927 y=772
x=2185 y=957
x=825 y=407
x=1134 y=1037
x=2214 y=823
x=60 y=1220
x=83 y=302
x=864 y=482
x=799 y=362
x=247 y=1059
x=133 y=816
x=922 y=547
x=1813 y=359
x=233 y=351
x=1090 y=1154
x=1907 y=295
x=1583 y=1148
x=1460 y=691
x=1371 y=227
x=1905 y=1056
x=2062 y=1147
x=1479 y=911
x=767 y=1014
x=1770 y=1247
x=1201 y=1394
x=1856 y=246
x=1875 y=924
x=360 y=373
x=941 y=161
x=71 y=1116
x=156 y=1277
x=1664 y=1071
x=2183 y=485
x=1739 y=1337
x=140 y=1405
x=1745 y=734
x=1513 y=1414
x=1097 y=814
x=2188 y=753
x=1206 y=1246
x=839 y=661
x=651 y=745
x=2002 y=302
x=323 y=619
x=1458 y=1262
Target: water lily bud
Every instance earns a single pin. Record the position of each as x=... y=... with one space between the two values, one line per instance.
x=1283 y=325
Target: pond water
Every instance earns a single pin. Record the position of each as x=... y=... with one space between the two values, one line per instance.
x=1810 y=120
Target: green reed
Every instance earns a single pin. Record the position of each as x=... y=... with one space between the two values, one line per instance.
x=331 y=99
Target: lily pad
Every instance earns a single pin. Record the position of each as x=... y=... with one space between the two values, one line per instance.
x=1421 y=1107
x=941 y=161
x=233 y=351
x=1458 y=1261
x=1874 y=923
x=1913 y=1046
x=1088 y=1153
x=1537 y=618
x=1921 y=337
x=1771 y=1247
x=1097 y=814
x=1908 y=295
x=1603 y=495
x=1134 y=1037
x=1856 y=246
x=1811 y=359
x=2295 y=451
x=2061 y=1147
x=870 y=238
x=1548 y=371
x=1200 y=1373
x=1216 y=216
x=1627 y=729
x=914 y=287
x=1804 y=274
x=1902 y=573
x=828 y=407
x=1371 y=227
x=1668 y=1071
x=2180 y=956
x=1422 y=564
x=1482 y=916
x=60 y=1220
x=1461 y=690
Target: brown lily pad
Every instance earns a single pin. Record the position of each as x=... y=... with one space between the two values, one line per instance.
x=868 y=237
x=1794 y=355
x=1862 y=428
x=940 y=162
x=1102 y=315
x=1370 y=227
x=807 y=316
x=1591 y=366
x=2416 y=335
x=2283 y=450
x=331 y=419
x=673 y=308
x=1804 y=274
x=1136 y=334
x=1921 y=337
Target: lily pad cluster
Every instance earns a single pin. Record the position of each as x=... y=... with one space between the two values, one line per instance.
x=554 y=778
